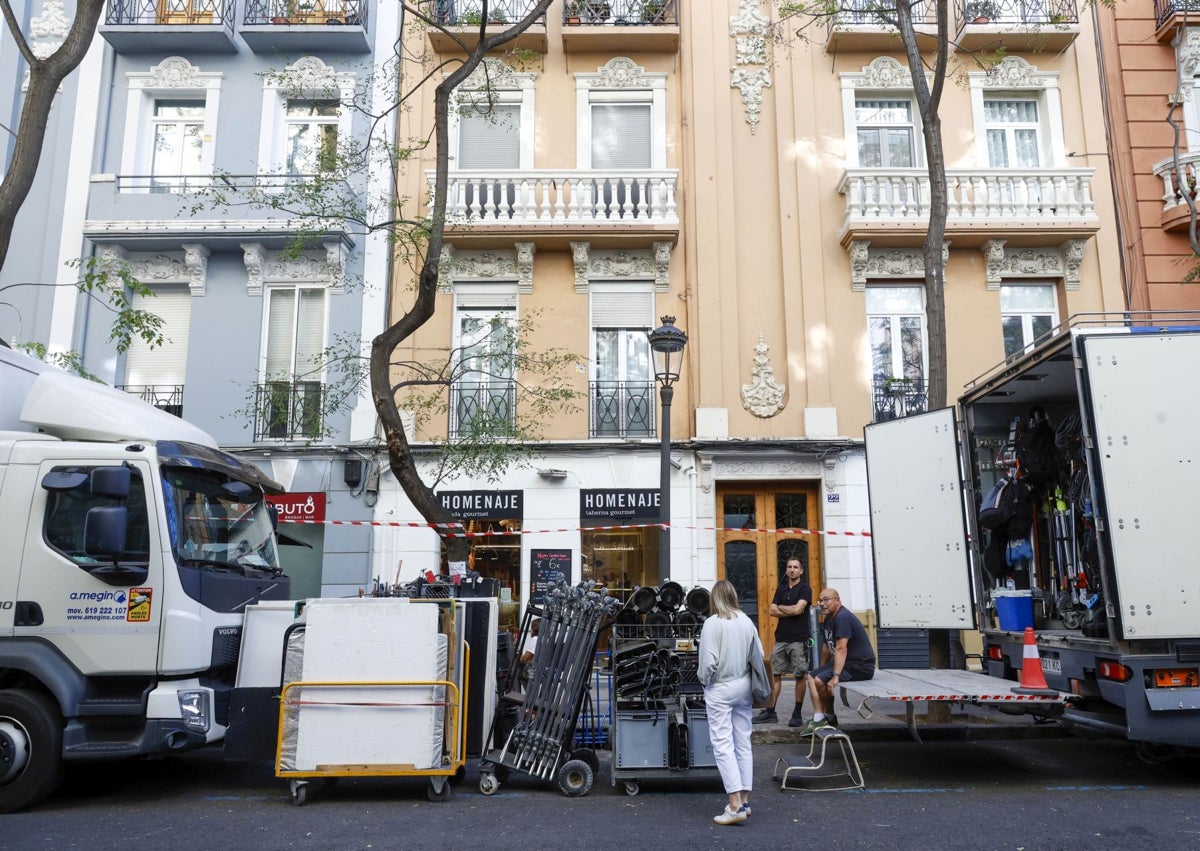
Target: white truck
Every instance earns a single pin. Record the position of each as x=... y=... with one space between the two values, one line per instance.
x=130 y=545
x=1099 y=560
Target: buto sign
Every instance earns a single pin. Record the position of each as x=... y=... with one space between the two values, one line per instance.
x=299 y=507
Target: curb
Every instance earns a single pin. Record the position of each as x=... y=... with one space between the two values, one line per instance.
x=898 y=732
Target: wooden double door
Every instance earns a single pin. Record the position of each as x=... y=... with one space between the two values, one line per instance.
x=754 y=560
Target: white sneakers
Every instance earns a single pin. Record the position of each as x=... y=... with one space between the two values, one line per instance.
x=729 y=816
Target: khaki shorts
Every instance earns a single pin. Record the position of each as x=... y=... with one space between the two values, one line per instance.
x=790 y=657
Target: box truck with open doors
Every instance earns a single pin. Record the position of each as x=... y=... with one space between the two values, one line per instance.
x=1058 y=494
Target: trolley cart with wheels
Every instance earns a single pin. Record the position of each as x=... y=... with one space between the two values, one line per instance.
x=659 y=724
x=534 y=732
x=394 y=707
x=320 y=703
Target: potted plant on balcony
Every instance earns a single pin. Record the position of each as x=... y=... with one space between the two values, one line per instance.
x=573 y=12
x=982 y=11
x=653 y=11
x=497 y=16
x=472 y=18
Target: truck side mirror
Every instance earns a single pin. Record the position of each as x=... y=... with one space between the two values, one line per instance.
x=104 y=531
x=111 y=482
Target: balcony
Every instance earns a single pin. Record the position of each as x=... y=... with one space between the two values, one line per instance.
x=482 y=409
x=1175 y=213
x=554 y=207
x=463 y=18
x=621 y=409
x=1038 y=206
x=894 y=398
x=308 y=26
x=165 y=397
x=1040 y=25
x=1169 y=16
x=604 y=26
x=170 y=26
x=858 y=26
x=158 y=212
x=285 y=410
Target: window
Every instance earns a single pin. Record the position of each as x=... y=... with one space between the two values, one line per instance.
x=170 y=127
x=896 y=329
x=178 y=147
x=1027 y=313
x=312 y=136
x=1012 y=133
x=306 y=115
x=622 y=392
x=157 y=375
x=289 y=400
x=885 y=133
x=489 y=136
x=67 y=517
x=621 y=136
x=483 y=396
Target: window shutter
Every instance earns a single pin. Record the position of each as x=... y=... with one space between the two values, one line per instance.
x=620 y=135
x=622 y=310
x=281 y=310
x=465 y=301
x=490 y=140
x=310 y=334
x=166 y=364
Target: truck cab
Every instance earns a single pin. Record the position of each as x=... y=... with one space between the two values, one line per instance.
x=130 y=547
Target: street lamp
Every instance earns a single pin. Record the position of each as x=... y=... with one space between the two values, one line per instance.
x=667 y=343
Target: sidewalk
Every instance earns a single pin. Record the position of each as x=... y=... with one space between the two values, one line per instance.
x=886 y=722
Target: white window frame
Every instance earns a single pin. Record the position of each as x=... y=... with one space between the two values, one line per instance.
x=897 y=356
x=308 y=78
x=504 y=87
x=621 y=81
x=266 y=322
x=1016 y=79
x=639 y=288
x=883 y=79
x=1027 y=316
x=492 y=299
x=1010 y=128
x=911 y=126
x=172 y=79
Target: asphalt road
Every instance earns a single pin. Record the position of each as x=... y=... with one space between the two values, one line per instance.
x=994 y=794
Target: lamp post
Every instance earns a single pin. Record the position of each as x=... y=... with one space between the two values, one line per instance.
x=667 y=343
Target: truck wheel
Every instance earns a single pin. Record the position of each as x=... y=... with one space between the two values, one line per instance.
x=575 y=778
x=30 y=748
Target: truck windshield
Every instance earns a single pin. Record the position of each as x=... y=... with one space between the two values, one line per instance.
x=219 y=523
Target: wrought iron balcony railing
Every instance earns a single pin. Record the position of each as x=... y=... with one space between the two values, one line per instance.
x=307 y=12
x=170 y=12
x=476 y=408
x=165 y=397
x=620 y=13
x=1017 y=12
x=469 y=13
x=899 y=397
x=285 y=410
x=539 y=197
x=621 y=409
x=1164 y=9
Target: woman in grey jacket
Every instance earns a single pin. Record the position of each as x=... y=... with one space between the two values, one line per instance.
x=727 y=639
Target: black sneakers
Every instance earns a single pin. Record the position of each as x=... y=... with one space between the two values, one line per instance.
x=767 y=716
x=797 y=720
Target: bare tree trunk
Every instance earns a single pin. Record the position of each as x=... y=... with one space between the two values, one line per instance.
x=400 y=457
x=45 y=76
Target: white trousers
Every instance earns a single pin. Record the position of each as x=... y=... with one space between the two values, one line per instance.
x=728 y=707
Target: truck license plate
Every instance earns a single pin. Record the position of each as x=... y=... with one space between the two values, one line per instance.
x=1051 y=666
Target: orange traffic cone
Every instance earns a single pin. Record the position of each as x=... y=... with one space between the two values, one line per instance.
x=1033 y=681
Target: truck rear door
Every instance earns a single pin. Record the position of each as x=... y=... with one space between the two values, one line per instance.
x=918 y=532
x=1144 y=418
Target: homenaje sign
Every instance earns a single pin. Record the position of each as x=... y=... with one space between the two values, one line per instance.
x=544 y=567
x=619 y=506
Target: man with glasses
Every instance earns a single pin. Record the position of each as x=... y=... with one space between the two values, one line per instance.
x=849 y=658
x=790 y=656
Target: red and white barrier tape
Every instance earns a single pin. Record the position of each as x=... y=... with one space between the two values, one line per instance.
x=505 y=533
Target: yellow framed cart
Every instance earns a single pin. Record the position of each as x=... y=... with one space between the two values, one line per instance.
x=317 y=721
x=374 y=688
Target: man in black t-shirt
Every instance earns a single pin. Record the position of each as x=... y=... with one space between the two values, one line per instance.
x=849 y=657
x=790 y=604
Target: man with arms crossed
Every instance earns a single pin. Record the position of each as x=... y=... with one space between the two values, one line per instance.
x=790 y=605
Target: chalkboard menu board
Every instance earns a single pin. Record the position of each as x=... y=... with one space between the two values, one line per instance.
x=544 y=566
